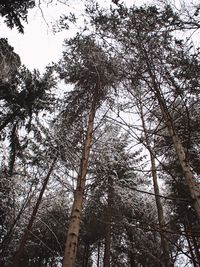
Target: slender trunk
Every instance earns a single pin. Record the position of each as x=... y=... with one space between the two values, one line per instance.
x=190 y=246
x=196 y=249
x=164 y=243
x=108 y=234
x=165 y=246
x=74 y=224
x=106 y=260
x=86 y=255
x=131 y=254
x=193 y=238
x=7 y=237
x=98 y=253
x=185 y=166
x=31 y=221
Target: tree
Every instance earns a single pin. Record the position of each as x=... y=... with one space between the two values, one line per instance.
x=89 y=69
x=184 y=212
x=164 y=242
x=144 y=38
x=123 y=228
x=24 y=96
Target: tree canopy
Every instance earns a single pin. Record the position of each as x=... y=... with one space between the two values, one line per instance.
x=99 y=162
x=15 y=12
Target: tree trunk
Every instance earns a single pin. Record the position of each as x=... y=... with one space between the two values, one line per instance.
x=196 y=249
x=131 y=254
x=108 y=234
x=161 y=220
x=31 y=221
x=98 y=253
x=165 y=246
x=74 y=224
x=186 y=168
x=86 y=254
x=106 y=260
x=192 y=184
x=188 y=226
x=190 y=246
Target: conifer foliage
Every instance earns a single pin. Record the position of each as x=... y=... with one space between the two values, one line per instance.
x=107 y=172
x=15 y=11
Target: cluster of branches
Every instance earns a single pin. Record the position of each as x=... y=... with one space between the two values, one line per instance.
x=81 y=176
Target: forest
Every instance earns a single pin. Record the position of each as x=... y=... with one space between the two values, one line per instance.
x=99 y=154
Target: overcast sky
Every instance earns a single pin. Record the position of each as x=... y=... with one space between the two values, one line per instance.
x=39 y=46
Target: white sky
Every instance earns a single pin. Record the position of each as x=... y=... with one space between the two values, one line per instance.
x=39 y=46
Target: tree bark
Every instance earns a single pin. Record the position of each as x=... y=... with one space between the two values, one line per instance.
x=190 y=247
x=74 y=224
x=165 y=246
x=188 y=229
x=31 y=221
x=186 y=168
x=98 y=253
x=108 y=233
x=86 y=254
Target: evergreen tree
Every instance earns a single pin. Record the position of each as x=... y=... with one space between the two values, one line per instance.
x=15 y=11
x=143 y=35
x=87 y=67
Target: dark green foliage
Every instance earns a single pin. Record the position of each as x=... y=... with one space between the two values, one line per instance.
x=15 y=11
x=89 y=69
x=9 y=61
x=22 y=93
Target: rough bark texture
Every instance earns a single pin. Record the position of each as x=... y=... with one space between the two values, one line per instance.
x=31 y=221
x=192 y=184
x=186 y=168
x=74 y=224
